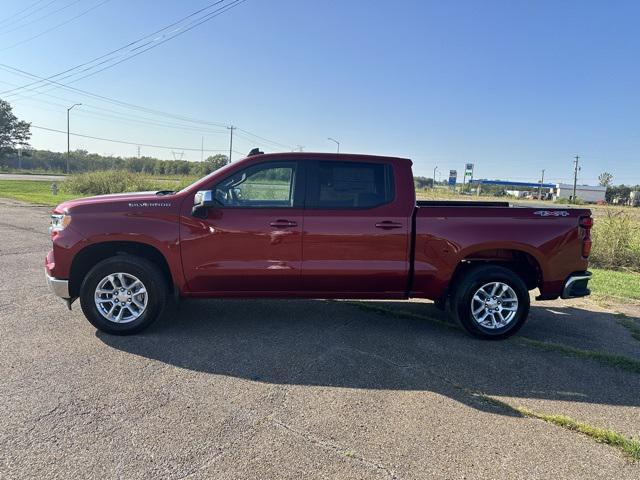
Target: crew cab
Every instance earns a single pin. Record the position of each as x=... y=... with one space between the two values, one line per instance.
x=313 y=225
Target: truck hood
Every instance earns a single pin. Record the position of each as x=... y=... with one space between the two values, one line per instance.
x=117 y=200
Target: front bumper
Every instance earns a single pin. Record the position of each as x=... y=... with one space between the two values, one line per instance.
x=576 y=285
x=58 y=286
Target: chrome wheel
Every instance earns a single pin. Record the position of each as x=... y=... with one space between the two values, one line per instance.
x=494 y=305
x=121 y=297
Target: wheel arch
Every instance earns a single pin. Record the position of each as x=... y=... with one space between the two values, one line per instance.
x=520 y=261
x=92 y=254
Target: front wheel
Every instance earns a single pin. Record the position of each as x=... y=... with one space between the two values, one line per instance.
x=490 y=302
x=123 y=294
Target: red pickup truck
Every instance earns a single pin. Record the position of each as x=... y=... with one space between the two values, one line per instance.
x=311 y=225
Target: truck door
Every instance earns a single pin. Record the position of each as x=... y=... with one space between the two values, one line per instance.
x=252 y=240
x=356 y=230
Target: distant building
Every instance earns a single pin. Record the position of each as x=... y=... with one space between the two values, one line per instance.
x=586 y=193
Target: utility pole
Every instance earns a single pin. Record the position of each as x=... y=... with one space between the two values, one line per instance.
x=68 y=134
x=20 y=158
x=202 y=149
x=336 y=141
x=433 y=185
x=231 y=128
x=575 y=177
x=138 y=151
x=540 y=188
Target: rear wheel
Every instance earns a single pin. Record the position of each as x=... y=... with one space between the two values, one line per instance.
x=123 y=295
x=490 y=302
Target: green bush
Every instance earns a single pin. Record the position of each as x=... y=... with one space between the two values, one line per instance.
x=616 y=241
x=105 y=182
x=566 y=201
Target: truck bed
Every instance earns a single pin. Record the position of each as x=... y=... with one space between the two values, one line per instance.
x=547 y=238
x=460 y=203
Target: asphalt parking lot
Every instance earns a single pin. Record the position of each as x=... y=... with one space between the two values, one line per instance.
x=297 y=389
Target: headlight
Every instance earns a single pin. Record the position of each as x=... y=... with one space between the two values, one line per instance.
x=59 y=222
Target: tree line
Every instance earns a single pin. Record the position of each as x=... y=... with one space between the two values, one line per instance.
x=81 y=161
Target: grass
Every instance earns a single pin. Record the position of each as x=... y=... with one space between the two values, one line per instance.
x=33 y=191
x=630 y=324
x=118 y=181
x=604 y=358
x=616 y=240
x=616 y=284
x=629 y=446
x=39 y=192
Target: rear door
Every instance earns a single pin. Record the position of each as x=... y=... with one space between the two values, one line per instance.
x=252 y=240
x=356 y=230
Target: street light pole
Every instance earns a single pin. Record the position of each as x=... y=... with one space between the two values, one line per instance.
x=337 y=142
x=68 y=134
x=433 y=185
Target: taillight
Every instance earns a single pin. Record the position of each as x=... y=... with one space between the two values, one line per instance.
x=586 y=223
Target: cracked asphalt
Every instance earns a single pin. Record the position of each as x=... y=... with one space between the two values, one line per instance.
x=295 y=389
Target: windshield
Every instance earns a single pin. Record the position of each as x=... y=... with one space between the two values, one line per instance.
x=206 y=177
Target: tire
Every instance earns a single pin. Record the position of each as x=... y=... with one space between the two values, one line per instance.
x=473 y=294
x=139 y=309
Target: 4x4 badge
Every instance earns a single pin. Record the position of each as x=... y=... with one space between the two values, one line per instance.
x=552 y=213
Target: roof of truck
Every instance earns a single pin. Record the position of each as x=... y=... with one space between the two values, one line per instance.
x=326 y=156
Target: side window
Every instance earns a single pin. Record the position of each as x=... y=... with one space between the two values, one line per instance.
x=268 y=185
x=351 y=185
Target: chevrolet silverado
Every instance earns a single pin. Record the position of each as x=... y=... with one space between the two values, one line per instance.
x=312 y=225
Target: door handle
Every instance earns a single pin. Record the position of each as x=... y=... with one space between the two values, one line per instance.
x=283 y=224
x=388 y=225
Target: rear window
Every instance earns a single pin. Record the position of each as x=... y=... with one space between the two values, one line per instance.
x=350 y=185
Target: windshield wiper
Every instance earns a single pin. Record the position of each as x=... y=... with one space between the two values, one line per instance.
x=165 y=192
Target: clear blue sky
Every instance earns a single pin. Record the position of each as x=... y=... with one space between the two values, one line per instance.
x=512 y=86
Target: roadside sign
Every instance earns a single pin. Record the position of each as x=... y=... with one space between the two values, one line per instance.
x=453 y=175
x=468 y=170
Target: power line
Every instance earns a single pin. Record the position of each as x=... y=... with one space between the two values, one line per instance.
x=124 y=141
x=113 y=51
x=152 y=43
x=40 y=18
x=264 y=139
x=120 y=103
x=112 y=100
x=210 y=16
x=11 y=17
x=94 y=111
x=44 y=32
x=89 y=111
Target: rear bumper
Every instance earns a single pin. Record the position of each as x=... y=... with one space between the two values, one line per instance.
x=58 y=286
x=576 y=285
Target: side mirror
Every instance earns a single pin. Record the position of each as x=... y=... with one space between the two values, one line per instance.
x=201 y=201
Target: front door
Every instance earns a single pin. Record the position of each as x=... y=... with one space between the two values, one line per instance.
x=252 y=240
